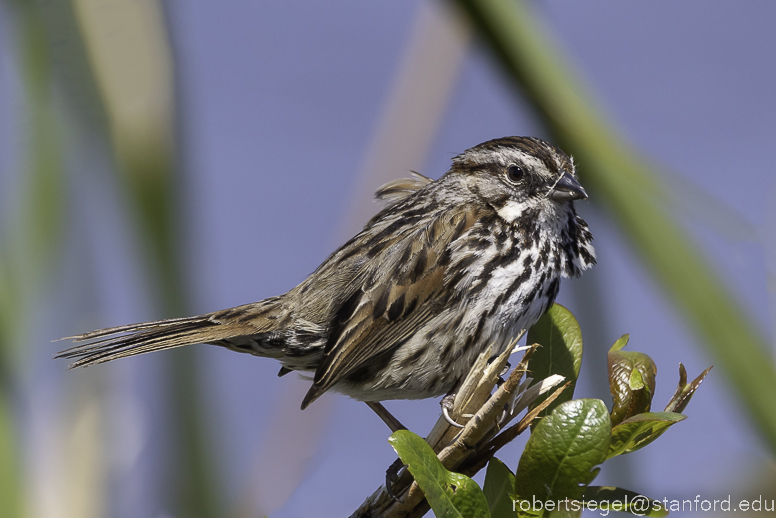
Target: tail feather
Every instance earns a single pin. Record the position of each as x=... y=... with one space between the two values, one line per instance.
x=129 y=340
x=132 y=328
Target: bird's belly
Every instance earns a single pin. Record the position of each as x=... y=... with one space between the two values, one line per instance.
x=433 y=361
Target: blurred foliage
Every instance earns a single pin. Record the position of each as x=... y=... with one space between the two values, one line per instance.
x=29 y=241
x=133 y=70
x=121 y=87
x=11 y=493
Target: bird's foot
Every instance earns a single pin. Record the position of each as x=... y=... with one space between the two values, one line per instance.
x=392 y=475
x=447 y=405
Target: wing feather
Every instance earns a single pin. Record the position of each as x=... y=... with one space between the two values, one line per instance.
x=392 y=302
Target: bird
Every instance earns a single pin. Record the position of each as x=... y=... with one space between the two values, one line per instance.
x=446 y=268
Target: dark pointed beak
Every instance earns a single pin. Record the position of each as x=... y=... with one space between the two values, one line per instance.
x=566 y=189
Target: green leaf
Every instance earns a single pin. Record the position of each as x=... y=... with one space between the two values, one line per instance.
x=638 y=431
x=620 y=343
x=631 y=381
x=601 y=498
x=499 y=484
x=560 y=353
x=684 y=391
x=451 y=495
x=563 y=450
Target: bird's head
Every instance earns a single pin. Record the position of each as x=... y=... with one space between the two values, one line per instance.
x=520 y=177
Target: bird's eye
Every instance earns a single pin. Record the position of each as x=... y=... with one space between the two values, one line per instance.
x=514 y=173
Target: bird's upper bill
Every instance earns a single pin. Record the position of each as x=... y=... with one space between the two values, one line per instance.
x=567 y=188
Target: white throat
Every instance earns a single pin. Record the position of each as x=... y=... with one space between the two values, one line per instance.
x=511 y=211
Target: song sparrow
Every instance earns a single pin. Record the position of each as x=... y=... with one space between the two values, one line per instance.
x=402 y=310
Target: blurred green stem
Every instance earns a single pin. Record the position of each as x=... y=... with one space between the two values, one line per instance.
x=634 y=196
x=147 y=166
x=150 y=182
x=31 y=239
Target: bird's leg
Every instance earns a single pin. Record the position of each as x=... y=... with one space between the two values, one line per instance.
x=392 y=473
x=386 y=416
x=392 y=476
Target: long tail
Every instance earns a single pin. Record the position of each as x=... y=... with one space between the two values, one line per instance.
x=118 y=342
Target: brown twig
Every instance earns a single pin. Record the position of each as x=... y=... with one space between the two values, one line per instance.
x=467 y=450
x=484 y=454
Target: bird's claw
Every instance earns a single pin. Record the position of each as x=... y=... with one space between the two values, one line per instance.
x=447 y=404
x=392 y=474
x=446 y=414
